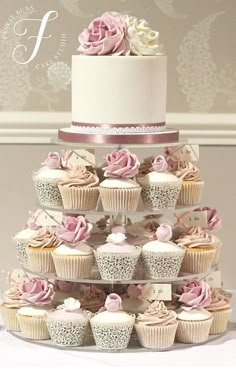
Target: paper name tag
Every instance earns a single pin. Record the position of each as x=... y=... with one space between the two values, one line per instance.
x=49 y=218
x=195 y=219
x=16 y=276
x=189 y=152
x=82 y=157
x=157 y=291
x=214 y=279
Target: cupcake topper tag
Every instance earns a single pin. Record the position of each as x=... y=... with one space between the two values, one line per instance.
x=189 y=153
x=159 y=164
x=16 y=277
x=164 y=232
x=113 y=303
x=116 y=238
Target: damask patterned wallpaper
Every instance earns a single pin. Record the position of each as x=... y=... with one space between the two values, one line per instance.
x=198 y=37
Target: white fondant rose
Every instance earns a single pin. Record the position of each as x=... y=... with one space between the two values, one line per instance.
x=71 y=304
x=116 y=238
x=142 y=39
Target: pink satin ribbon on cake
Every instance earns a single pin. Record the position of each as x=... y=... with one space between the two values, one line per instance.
x=113 y=126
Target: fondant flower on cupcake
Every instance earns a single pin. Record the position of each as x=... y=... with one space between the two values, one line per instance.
x=121 y=163
x=142 y=39
x=159 y=164
x=164 y=232
x=113 y=303
x=214 y=221
x=37 y=291
x=74 y=230
x=105 y=35
x=53 y=161
x=194 y=294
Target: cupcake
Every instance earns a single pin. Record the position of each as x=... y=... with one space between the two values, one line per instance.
x=117 y=259
x=79 y=189
x=132 y=300
x=38 y=294
x=92 y=298
x=46 y=181
x=194 y=321
x=11 y=302
x=160 y=188
x=73 y=259
x=68 y=323
x=220 y=309
x=200 y=250
x=156 y=327
x=192 y=184
x=120 y=192
x=112 y=327
x=162 y=258
x=22 y=238
x=39 y=249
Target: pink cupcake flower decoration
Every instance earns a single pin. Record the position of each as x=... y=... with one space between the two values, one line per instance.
x=213 y=219
x=53 y=161
x=194 y=294
x=113 y=303
x=121 y=163
x=74 y=230
x=37 y=291
x=164 y=232
x=159 y=164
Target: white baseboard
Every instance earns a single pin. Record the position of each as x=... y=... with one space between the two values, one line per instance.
x=40 y=127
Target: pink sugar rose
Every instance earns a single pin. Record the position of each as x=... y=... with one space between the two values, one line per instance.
x=213 y=218
x=113 y=303
x=194 y=294
x=105 y=35
x=159 y=164
x=164 y=232
x=37 y=291
x=53 y=160
x=121 y=163
x=74 y=230
x=32 y=219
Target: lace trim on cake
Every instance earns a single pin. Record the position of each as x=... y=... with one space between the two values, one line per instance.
x=118 y=130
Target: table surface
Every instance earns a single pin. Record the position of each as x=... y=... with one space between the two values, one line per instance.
x=16 y=354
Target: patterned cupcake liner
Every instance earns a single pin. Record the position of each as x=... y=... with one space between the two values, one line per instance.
x=163 y=265
x=218 y=246
x=48 y=192
x=40 y=260
x=197 y=261
x=156 y=337
x=79 y=198
x=220 y=321
x=73 y=267
x=9 y=318
x=190 y=193
x=116 y=266
x=112 y=336
x=120 y=199
x=66 y=332
x=190 y=332
x=20 y=246
x=161 y=196
x=33 y=327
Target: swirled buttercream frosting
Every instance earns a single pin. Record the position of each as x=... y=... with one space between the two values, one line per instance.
x=45 y=237
x=157 y=315
x=80 y=177
x=196 y=237
x=185 y=170
x=12 y=298
x=218 y=302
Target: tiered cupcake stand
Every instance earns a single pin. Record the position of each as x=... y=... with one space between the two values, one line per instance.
x=133 y=345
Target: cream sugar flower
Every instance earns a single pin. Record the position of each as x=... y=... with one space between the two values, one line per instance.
x=116 y=238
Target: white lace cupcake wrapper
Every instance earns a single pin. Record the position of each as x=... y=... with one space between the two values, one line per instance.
x=67 y=333
x=162 y=266
x=20 y=246
x=48 y=192
x=162 y=196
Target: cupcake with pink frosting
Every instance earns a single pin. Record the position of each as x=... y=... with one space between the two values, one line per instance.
x=200 y=250
x=160 y=188
x=119 y=191
x=79 y=189
x=194 y=320
x=220 y=309
x=117 y=259
x=67 y=325
x=73 y=259
x=46 y=180
x=37 y=294
x=22 y=238
x=192 y=183
x=156 y=327
x=11 y=301
x=162 y=258
x=111 y=326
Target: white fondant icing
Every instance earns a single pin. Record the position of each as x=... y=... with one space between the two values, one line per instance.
x=49 y=173
x=119 y=183
x=159 y=246
x=156 y=177
x=80 y=249
x=32 y=311
x=111 y=317
x=25 y=234
x=196 y=314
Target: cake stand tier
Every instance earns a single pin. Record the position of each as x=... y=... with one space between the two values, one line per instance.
x=132 y=347
x=99 y=281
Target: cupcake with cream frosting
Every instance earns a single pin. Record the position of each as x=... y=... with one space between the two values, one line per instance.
x=117 y=259
x=192 y=183
x=194 y=320
x=68 y=323
x=43 y=242
x=200 y=250
x=156 y=327
x=10 y=303
x=79 y=189
x=37 y=294
x=160 y=188
x=73 y=259
x=162 y=258
x=119 y=191
x=220 y=309
x=112 y=327
x=22 y=238
x=47 y=178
